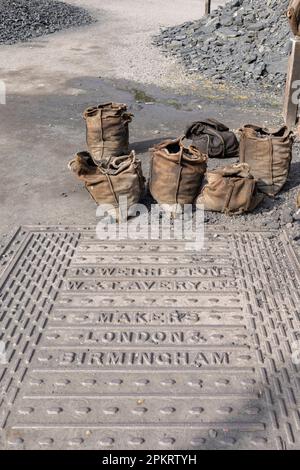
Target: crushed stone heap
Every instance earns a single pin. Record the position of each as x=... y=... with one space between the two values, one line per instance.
x=21 y=20
x=245 y=42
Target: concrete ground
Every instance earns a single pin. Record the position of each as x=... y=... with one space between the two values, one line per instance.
x=117 y=46
x=52 y=79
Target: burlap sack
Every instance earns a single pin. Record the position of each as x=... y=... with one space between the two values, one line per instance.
x=230 y=189
x=120 y=176
x=293 y=15
x=176 y=172
x=213 y=138
x=107 y=133
x=269 y=155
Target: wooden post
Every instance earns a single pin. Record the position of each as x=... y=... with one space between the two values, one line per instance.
x=292 y=91
x=207 y=7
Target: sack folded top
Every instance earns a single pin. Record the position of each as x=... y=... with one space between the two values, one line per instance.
x=119 y=176
x=109 y=110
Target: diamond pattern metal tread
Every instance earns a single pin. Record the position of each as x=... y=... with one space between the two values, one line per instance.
x=143 y=345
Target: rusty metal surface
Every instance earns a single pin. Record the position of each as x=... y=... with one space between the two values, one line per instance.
x=142 y=345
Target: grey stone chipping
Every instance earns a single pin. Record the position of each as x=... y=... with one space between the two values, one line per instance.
x=22 y=20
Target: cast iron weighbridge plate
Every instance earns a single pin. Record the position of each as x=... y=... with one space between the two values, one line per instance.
x=144 y=345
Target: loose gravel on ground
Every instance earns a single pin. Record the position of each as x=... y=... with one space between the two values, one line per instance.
x=22 y=20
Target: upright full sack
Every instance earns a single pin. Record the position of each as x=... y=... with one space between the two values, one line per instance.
x=231 y=189
x=107 y=133
x=269 y=155
x=213 y=138
x=176 y=172
x=119 y=176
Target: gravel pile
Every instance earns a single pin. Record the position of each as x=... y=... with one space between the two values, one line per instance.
x=21 y=20
x=245 y=42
